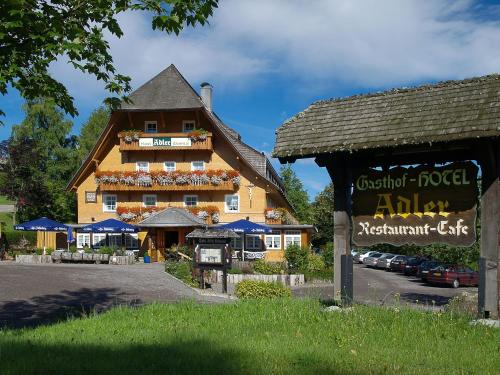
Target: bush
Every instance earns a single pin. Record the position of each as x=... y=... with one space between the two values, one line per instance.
x=297 y=258
x=17 y=238
x=315 y=263
x=181 y=270
x=106 y=250
x=234 y=271
x=72 y=249
x=250 y=289
x=327 y=254
x=267 y=268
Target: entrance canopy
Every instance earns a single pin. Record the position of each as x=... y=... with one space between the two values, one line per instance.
x=42 y=224
x=110 y=226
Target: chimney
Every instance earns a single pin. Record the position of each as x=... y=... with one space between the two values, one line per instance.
x=206 y=95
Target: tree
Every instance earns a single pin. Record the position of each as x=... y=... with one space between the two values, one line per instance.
x=35 y=33
x=322 y=216
x=91 y=131
x=41 y=159
x=296 y=194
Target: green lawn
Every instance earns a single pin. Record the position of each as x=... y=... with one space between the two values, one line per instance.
x=251 y=337
x=4 y=200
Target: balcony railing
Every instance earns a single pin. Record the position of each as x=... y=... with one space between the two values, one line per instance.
x=164 y=141
x=223 y=186
x=222 y=180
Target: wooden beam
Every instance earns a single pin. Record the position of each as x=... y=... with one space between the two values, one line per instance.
x=341 y=174
x=489 y=258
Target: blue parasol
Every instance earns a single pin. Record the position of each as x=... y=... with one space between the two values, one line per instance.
x=246 y=227
x=42 y=224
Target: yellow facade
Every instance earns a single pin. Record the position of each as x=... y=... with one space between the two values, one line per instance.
x=254 y=191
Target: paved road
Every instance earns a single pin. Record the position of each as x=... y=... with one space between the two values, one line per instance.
x=38 y=293
x=7 y=208
x=380 y=287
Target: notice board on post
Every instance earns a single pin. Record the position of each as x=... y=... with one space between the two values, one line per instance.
x=416 y=205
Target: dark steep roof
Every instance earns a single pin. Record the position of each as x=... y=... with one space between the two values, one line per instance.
x=172 y=216
x=166 y=91
x=451 y=110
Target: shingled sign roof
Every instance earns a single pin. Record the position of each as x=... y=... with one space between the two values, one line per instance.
x=446 y=111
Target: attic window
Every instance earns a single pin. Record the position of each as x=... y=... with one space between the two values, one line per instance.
x=151 y=127
x=188 y=126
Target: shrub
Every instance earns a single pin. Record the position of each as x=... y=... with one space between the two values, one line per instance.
x=297 y=258
x=250 y=289
x=267 y=268
x=327 y=254
x=72 y=249
x=38 y=251
x=20 y=238
x=181 y=270
x=234 y=271
x=106 y=250
x=315 y=263
x=87 y=250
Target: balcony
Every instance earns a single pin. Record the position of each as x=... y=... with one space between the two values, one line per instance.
x=137 y=141
x=209 y=180
x=224 y=186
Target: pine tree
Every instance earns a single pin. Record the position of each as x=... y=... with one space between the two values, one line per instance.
x=296 y=194
x=91 y=130
x=322 y=213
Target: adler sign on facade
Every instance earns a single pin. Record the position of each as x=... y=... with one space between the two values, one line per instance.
x=418 y=205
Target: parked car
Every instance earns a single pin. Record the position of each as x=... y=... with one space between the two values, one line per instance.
x=371 y=260
x=454 y=275
x=424 y=267
x=384 y=261
x=398 y=263
x=362 y=257
x=411 y=265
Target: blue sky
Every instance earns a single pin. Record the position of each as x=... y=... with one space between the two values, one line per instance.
x=268 y=60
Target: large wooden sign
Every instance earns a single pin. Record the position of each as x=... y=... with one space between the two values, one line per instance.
x=419 y=205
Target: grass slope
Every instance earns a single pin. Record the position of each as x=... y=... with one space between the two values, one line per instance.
x=5 y=200
x=252 y=337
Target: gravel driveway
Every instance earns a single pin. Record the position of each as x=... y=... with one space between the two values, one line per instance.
x=42 y=293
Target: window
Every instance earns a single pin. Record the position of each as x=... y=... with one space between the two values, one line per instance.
x=232 y=203
x=98 y=239
x=188 y=126
x=150 y=127
x=236 y=243
x=190 y=200
x=131 y=241
x=169 y=166
x=197 y=166
x=253 y=242
x=82 y=240
x=109 y=202
x=115 y=240
x=149 y=200
x=273 y=241
x=292 y=237
x=142 y=166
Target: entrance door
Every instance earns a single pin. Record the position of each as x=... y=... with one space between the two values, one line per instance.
x=171 y=238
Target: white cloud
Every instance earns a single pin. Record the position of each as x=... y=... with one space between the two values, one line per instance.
x=316 y=44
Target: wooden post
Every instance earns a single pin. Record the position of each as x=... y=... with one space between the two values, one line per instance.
x=489 y=275
x=341 y=175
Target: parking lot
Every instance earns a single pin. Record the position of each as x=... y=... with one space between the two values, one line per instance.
x=383 y=287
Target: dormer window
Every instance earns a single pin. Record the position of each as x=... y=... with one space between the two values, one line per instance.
x=150 y=127
x=188 y=126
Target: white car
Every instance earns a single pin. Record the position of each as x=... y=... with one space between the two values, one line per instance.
x=366 y=255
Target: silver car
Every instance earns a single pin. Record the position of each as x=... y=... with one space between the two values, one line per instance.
x=384 y=262
x=371 y=260
x=361 y=258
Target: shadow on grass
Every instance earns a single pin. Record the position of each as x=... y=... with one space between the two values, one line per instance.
x=179 y=357
x=53 y=308
x=425 y=299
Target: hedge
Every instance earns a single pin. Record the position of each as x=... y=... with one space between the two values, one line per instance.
x=251 y=289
